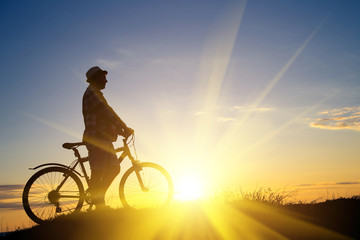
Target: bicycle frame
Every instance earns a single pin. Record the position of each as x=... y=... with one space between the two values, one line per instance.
x=58 y=182
x=126 y=153
x=80 y=161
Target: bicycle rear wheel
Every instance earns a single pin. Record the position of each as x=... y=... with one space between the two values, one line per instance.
x=52 y=192
x=157 y=190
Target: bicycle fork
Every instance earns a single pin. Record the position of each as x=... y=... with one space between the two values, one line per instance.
x=141 y=182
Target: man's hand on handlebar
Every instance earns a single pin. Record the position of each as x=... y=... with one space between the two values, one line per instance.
x=127 y=132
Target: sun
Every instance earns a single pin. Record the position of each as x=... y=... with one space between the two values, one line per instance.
x=188 y=189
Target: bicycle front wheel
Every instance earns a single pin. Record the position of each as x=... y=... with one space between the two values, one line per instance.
x=52 y=192
x=146 y=185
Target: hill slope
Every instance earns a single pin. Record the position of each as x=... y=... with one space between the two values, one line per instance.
x=338 y=219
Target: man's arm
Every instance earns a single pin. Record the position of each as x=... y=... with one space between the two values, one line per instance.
x=103 y=108
x=119 y=124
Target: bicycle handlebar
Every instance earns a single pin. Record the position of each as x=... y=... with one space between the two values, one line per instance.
x=125 y=143
x=127 y=137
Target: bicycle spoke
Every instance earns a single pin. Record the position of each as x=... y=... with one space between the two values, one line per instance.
x=157 y=192
x=42 y=198
x=42 y=185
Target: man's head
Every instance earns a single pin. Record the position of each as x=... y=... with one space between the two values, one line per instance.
x=96 y=77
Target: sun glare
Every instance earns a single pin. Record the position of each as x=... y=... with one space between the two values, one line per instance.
x=188 y=189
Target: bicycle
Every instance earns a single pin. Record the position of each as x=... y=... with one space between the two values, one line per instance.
x=57 y=189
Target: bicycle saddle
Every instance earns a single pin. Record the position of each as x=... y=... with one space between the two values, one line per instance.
x=72 y=145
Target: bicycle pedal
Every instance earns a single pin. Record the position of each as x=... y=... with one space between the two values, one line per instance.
x=58 y=210
x=90 y=208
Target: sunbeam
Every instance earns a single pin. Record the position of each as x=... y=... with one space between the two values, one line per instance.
x=243 y=117
x=213 y=68
x=236 y=99
x=287 y=65
x=272 y=134
x=53 y=125
x=217 y=55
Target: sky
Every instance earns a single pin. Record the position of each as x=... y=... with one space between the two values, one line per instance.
x=223 y=94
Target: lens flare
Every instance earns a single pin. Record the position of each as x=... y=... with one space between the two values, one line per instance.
x=188 y=189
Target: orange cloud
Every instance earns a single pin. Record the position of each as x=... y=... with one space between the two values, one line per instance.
x=336 y=119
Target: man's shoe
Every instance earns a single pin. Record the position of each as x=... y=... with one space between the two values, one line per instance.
x=102 y=207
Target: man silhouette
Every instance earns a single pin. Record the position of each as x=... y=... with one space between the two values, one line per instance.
x=102 y=127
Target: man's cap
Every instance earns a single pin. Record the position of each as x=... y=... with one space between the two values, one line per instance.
x=93 y=72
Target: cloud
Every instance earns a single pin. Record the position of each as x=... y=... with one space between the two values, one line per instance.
x=11 y=205
x=326 y=184
x=227 y=114
x=342 y=118
x=226 y=119
x=125 y=52
x=237 y=108
x=107 y=64
x=199 y=113
x=11 y=187
x=252 y=109
x=348 y=183
x=10 y=196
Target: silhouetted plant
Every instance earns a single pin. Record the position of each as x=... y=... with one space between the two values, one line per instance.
x=263 y=195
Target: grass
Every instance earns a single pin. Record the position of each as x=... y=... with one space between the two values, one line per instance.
x=262 y=195
x=260 y=214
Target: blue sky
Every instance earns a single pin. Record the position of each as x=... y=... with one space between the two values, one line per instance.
x=161 y=56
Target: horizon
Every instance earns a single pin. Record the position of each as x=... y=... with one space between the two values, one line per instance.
x=224 y=95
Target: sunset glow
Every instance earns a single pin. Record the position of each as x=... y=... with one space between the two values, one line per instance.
x=224 y=95
x=188 y=189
